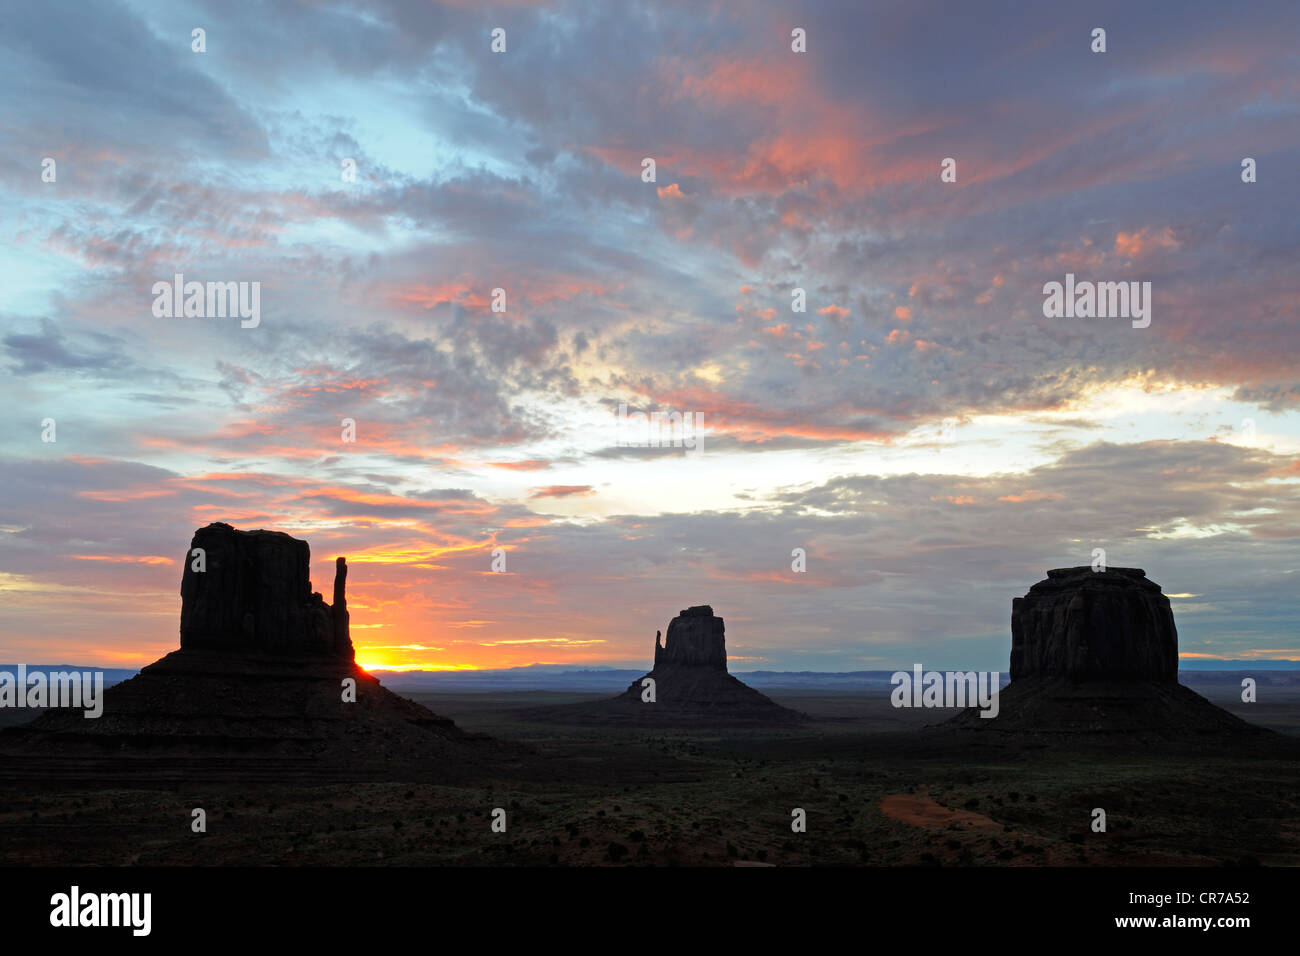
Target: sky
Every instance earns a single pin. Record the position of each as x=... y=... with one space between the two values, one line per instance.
x=929 y=438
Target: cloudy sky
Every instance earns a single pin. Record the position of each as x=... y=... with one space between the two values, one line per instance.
x=921 y=430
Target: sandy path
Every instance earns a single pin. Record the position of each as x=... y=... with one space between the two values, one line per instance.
x=924 y=812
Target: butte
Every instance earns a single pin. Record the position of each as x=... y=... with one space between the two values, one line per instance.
x=1094 y=654
x=692 y=687
x=255 y=692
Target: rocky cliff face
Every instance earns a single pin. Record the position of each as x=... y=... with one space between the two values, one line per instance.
x=254 y=593
x=695 y=639
x=1094 y=655
x=1081 y=624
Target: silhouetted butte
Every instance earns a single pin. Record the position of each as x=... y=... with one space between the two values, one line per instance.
x=691 y=685
x=256 y=690
x=1096 y=653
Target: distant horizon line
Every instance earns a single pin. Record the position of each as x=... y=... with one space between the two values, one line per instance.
x=1198 y=662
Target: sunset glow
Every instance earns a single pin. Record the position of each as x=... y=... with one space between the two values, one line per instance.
x=444 y=340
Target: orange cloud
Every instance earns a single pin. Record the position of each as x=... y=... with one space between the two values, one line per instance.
x=1135 y=245
x=737 y=80
x=1031 y=495
x=427 y=296
x=317 y=442
x=123 y=558
x=138 y=494
x=814 y=136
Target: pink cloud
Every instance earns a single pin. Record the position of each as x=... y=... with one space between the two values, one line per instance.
x=1135 y=245
x=562 y=491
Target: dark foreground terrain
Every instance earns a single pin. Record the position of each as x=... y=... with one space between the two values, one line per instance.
x=876 y=787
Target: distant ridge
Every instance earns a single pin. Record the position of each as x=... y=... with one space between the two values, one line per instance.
x=608 y=678
x=612 y=679
x=112 y=675
x=1206 y=665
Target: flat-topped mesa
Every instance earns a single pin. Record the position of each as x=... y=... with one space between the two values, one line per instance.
x=1094 y=658
x=695 y=639
x=254 y=593
x=1083 y=625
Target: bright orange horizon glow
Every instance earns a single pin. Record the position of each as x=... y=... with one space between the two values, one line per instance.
x=370 y=663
